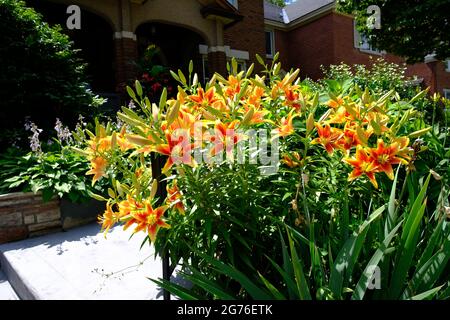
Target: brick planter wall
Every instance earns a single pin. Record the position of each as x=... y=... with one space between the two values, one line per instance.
x=24 y=215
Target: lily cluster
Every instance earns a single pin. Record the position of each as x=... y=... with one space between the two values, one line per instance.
x=360 y=128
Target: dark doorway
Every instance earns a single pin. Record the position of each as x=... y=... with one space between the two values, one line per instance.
x=95 y=41
x=178 y=45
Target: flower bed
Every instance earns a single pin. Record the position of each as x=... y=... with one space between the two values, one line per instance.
x=277 y=189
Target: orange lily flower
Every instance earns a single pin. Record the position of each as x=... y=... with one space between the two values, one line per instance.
x=98 y=168
x=258 y=115
x=203 y=100
x=292 y=97
x=178 y=149
x=174 y=197
x=108 y=219
x=128 y=206
x=286 y=127
x=328 y=137
x=147 y=219
x=385 y=156
x=233 y=88
x=225 y=137
x=350 y=138
x=335 y=103
x=255 y=98
x=363 y=165
x=292 y=160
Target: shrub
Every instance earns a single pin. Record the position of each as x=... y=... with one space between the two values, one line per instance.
x=40 y=73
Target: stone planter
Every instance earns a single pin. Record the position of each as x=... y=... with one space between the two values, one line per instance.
x=25 y=215
x=74 y=214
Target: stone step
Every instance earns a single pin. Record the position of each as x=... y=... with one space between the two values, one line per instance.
x=82 y=265
x=6 y=291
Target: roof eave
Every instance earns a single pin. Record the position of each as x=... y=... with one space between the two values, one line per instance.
x=307 y=18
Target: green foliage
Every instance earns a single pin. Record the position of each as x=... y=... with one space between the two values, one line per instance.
x=54 y=173
x=382 y=76
x=40 y=73
x=412 y=255
x=279 y=3
x=411 y=29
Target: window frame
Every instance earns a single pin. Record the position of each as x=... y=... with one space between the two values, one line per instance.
x=272 y=42
x=234 y=3
x=447 y=94
x=447 y=65
x=358 y=41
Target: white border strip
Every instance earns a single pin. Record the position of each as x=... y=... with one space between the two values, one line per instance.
x=230 y=53
x=125 y=35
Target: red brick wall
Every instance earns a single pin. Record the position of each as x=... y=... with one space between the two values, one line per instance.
x=217 y=62
x=330 y=40
x=248 y=34
x=442 y=77
x=125 y=53
x=282 y=47
x=308 y=47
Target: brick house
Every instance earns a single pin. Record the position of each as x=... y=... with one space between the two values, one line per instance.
x=310 y=33
x=307 y=33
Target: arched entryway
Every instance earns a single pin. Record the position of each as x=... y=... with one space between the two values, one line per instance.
x=94 y=39
x=177 y=45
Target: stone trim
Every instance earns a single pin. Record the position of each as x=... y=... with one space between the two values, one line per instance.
x=125 y=35
x=24 y=215
x=230 y=53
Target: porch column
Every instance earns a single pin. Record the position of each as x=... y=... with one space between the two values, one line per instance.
x=216 y=54
x=126 y=50
x=431 y=62
x=125 y=53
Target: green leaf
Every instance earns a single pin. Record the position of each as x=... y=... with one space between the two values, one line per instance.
x=428 y=295
x=138 y=86
x=392 y=213
x=182 y=77
x=131 y=93
x=253 y=290
x=275 y=292
x=163 y=99
x=346 y=259
x=179 y=291
x=361 y=286
x=260 y=60
x=300 y=279
x=430 y=272
x=198 y=279
x=408 y=243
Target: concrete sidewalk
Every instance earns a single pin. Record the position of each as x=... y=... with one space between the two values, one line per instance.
x=6 y=291
x=82 y=264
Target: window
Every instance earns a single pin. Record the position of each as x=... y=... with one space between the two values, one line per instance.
x=362 y=42
x=205 y=69
x=447 y=94
x=447 y=65
x=241 y=65
x=270 y=43
x=234 y=3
